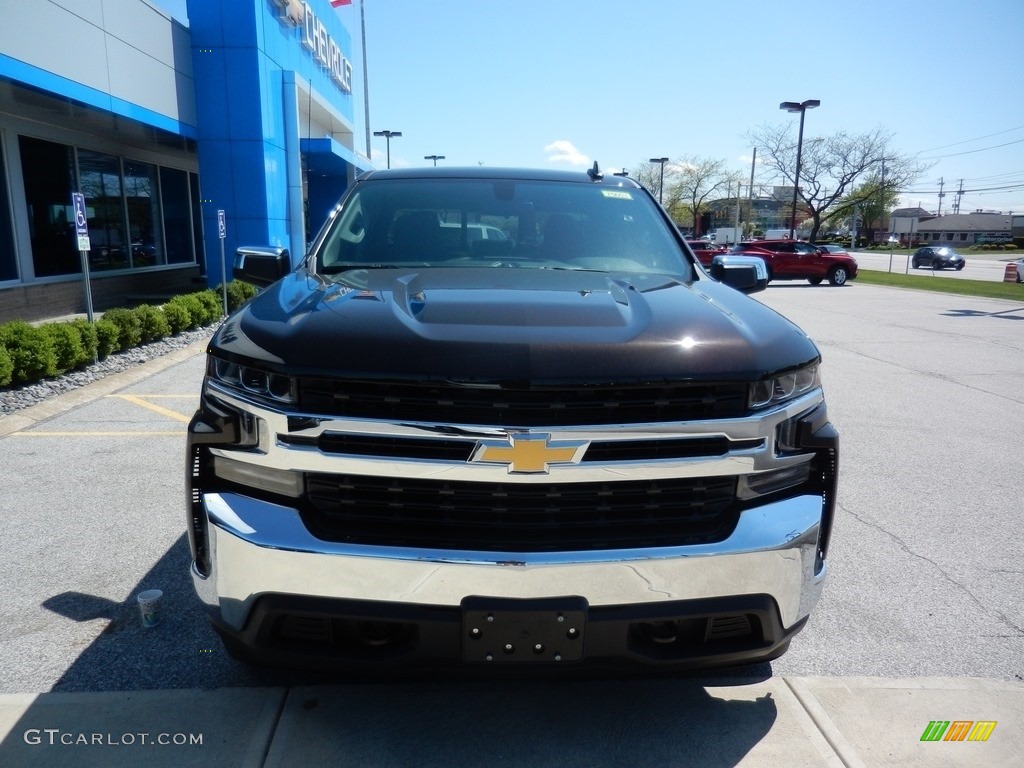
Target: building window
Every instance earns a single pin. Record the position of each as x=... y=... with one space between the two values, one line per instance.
x=8 y=264
x=197 y=221
x=177 y=216
x=140 y=215
x=100 y=182
x=48 y=174
x=142 y=199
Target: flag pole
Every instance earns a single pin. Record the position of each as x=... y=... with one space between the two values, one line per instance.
x=366 y=77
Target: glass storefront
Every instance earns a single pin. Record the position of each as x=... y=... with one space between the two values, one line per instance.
x=140 y=214
x=8 y=263
x=48 y=187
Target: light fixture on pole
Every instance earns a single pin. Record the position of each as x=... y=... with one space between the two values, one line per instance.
x=801 y=107
x=388 y=135
x=435 y=158
x=661 y=184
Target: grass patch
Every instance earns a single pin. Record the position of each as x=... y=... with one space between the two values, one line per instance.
x=984 y=288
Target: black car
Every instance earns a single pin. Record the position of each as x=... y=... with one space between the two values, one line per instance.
x=937 y=257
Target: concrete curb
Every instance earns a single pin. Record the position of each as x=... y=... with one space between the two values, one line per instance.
x=807 y=721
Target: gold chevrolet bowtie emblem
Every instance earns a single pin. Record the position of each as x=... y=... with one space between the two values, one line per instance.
x=529 y=452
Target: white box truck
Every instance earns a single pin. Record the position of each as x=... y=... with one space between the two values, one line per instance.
x=727 y=235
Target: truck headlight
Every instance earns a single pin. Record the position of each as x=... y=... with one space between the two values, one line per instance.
x=785 y=386
x=255 y=381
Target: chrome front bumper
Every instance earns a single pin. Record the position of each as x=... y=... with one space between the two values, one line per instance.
x=259 y=549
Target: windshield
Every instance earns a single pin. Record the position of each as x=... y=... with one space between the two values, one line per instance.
x=500 y=223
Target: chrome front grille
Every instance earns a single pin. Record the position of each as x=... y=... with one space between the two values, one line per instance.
x=516 y=517
x=420 y=483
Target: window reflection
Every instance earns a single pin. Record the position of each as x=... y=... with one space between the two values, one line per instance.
x=100 y=182
x=177 y=218
x=8 y=264
x=140 y=215
x=49 y=176
x=142 y=199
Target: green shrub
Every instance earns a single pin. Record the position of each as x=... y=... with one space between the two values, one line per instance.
x=239 y=292
x=6 y=367
x=129 y=327
x=155 y=325
x=107 y=335
x=213 y=306
x=67 y=345
x=90 y=339
x=30 y=349
x=178 y=318
x=191 y=305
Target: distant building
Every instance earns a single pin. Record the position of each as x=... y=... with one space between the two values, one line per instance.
x=956 y=229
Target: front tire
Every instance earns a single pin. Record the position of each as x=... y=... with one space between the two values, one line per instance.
x=838 y=276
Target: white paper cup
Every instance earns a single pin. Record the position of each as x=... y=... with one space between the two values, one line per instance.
x=149 y=606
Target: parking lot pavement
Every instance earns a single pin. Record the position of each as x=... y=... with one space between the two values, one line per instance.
x=793 y=722
x=82 y=684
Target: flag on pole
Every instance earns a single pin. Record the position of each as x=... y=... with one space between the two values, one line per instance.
x=339 y=3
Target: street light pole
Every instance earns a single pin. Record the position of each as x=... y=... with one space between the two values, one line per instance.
x=435 y=158
x=661 y=184
x=802 y=107
x=388 y=135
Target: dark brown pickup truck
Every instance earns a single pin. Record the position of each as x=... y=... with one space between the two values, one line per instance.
x=562 y=443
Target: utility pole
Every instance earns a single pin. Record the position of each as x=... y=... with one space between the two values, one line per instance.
x=959 y=194
x=941 y=193
x=739 y=190
x=750 y=192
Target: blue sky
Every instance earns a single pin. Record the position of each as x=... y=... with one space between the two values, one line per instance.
x=561 y=83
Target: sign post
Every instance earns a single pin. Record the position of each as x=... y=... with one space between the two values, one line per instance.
x=82 y=233
x=222 y=233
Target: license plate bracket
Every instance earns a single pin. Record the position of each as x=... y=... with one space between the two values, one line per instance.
x=506 y=630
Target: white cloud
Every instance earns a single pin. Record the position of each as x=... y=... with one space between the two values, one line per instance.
x=564 y=152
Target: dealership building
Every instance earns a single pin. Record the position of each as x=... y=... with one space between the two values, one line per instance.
x=184 y=142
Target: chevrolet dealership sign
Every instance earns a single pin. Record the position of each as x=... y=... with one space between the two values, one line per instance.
x=317 y=41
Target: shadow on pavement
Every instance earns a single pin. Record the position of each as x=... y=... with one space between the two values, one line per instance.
x=174 y=679
x=182 y=651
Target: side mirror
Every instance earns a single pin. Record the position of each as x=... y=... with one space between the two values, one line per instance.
x=261 y=265
x=747 y=274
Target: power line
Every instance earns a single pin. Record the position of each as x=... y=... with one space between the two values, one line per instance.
x=979 y=138
x=972 y=151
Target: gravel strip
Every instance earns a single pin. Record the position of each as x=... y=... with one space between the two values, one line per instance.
x=15 y=399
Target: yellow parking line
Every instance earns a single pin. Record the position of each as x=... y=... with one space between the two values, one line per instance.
x=41 y=433
x=155 y=408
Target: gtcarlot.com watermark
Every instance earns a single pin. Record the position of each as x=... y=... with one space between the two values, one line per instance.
x=57 y=737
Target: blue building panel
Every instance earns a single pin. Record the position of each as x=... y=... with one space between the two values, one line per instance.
x=249 y=138
x=211 y=84
x=206 y=22
x=244 y=96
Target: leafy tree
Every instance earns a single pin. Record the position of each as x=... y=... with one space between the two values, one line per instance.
x=872 y=201
x=690 y=182
x=831 y=166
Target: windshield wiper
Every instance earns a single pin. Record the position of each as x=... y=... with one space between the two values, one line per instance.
x=335 y=269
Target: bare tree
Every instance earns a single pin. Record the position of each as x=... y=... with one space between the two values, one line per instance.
x=832 y=165
x=694 y=180
x=649 y=175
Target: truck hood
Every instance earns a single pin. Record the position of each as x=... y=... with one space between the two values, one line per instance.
x=511 y=325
